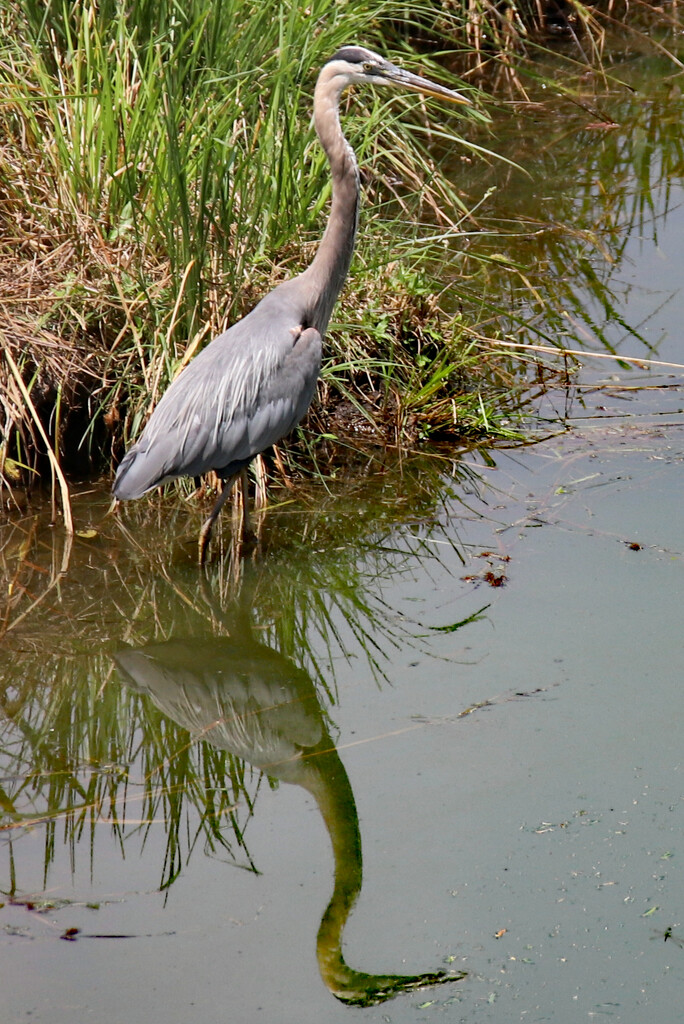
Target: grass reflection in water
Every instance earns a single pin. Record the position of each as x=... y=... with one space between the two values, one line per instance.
x=230 y=685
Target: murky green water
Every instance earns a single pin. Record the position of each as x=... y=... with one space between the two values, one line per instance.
x=435 y=726
x=584 y=229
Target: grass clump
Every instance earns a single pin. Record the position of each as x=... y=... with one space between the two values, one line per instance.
x=158 y=173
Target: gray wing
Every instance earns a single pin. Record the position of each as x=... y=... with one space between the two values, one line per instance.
x=245 y=391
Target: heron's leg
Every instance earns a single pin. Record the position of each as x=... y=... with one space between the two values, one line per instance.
x=260 y=500
x=247 y=534
x=205 y=532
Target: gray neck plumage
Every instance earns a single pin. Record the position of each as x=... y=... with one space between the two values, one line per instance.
x=328 y=271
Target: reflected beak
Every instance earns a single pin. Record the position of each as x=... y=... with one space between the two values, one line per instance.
x=405 y=80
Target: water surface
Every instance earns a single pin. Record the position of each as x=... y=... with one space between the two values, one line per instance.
x=434 y=725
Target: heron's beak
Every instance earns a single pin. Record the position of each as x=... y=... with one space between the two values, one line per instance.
x=405 y=80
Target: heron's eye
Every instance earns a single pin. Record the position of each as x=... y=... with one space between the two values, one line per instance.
x=368 y=67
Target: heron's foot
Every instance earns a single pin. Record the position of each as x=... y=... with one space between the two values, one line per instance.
x=250 y=544
x=205 y=532
x=248 y=535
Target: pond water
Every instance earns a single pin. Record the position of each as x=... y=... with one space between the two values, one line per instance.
x=433 y=725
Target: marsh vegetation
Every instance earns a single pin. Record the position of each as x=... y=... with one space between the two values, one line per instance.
x=159 y=173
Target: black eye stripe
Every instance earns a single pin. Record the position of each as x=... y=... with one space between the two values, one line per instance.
x=357 y=55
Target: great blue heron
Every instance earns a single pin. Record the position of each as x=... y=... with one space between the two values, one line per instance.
x=252 y=385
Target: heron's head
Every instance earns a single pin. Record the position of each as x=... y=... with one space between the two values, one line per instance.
x=355 y=64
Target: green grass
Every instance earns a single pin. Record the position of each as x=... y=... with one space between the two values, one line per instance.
x=160 y=172
x=78 y=747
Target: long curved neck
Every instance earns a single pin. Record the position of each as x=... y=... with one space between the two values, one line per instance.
x=324 y=776
x=328 y=271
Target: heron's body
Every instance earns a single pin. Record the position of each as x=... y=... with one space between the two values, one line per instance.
x=253 y=384
x=255 y=396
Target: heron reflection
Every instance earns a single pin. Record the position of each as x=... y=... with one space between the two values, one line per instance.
x=248 y=699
